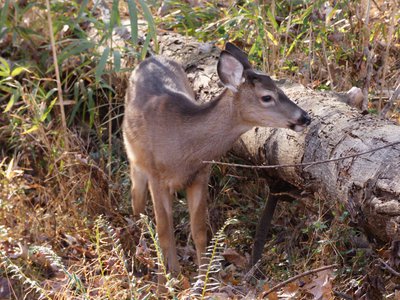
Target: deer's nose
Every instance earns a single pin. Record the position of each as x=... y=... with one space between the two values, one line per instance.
x=305 y=119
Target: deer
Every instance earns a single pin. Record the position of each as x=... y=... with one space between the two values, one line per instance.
x=168 y=135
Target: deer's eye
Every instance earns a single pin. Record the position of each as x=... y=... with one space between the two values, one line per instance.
x=266 y=99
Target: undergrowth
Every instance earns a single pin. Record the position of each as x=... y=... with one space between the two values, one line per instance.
x=324 y=45
x=66 y=230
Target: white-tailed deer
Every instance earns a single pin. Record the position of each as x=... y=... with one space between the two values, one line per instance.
x=168 y=135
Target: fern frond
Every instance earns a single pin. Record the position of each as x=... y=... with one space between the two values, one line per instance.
x=16 y=272
x=51 y=256
x=115 y=242
x=56 y=262
x=206 y=280
x=116 y=249
x=150 y=230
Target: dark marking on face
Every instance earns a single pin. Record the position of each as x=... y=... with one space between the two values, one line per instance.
x=266 y=81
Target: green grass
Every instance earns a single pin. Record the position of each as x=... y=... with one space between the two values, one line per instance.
x=55 y=182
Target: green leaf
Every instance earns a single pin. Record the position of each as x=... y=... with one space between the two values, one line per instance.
x=117 y=61
x=102 y=63
x=48 y=110
x=8 y=88
x=77 y=105
x=272 y=19
x=10 y=103
x=18 y=70
x=77 y=47
x=51 y=92
x=27 y=32
x=114 y=19
x=33 y=128
x=331 y=15
x=4 y=79
x=134 y=21
x=294 y=43
x=145 y=46
x=304 y=16
x=3 y=16
x=272 y=38
x=150 y=23
x=91 y=107
x=4 y=67
x=104 y=85
x=253 y=49
x=82 y=9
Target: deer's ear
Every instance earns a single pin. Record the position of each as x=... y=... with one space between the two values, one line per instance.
x=230 y=71
x=238 y=54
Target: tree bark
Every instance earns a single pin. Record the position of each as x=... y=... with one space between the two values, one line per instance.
x=367 y=185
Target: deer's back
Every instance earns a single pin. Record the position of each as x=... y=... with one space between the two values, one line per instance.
x=159 y=104
x=158 y=77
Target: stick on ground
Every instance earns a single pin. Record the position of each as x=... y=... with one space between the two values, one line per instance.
x=282 y=284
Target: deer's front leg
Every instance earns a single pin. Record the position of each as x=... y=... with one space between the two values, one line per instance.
x=162 y=201
x=138 y=190
x=197 y=194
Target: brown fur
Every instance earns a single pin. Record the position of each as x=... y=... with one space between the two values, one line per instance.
x=168 y=135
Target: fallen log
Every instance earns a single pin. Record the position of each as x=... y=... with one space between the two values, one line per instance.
x=367 y=185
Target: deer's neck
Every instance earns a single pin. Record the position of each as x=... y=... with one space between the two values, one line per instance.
x=216 y=128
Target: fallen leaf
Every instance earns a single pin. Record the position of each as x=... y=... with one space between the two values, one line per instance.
x=184 y=282
x=271 y=296
x=321 y=285
x=143 y=254
x=186 y=253
x=289 y=291
x=233 y=257
x=218 y=296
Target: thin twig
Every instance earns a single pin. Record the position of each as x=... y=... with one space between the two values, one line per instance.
x=389 y=104
x=368 y=56
x=327 y=65
x=110 y=133
x=389 y=268
x=301 y=164
x=342 y=295
x=59 y=88
x=311 y=54
x=255 y=268
x=286 y=36
x=389 y=38
x=297 y=277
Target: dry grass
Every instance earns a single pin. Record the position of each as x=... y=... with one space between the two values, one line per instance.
x=66 y=230
x=94 y=258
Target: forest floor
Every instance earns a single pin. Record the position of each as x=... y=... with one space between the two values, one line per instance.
x=66 y=226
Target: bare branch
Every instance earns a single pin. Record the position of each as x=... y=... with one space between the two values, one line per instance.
x=59 y=88
x=302 y=164
x=391 y=101
x=386 y=266
x=282 y=284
